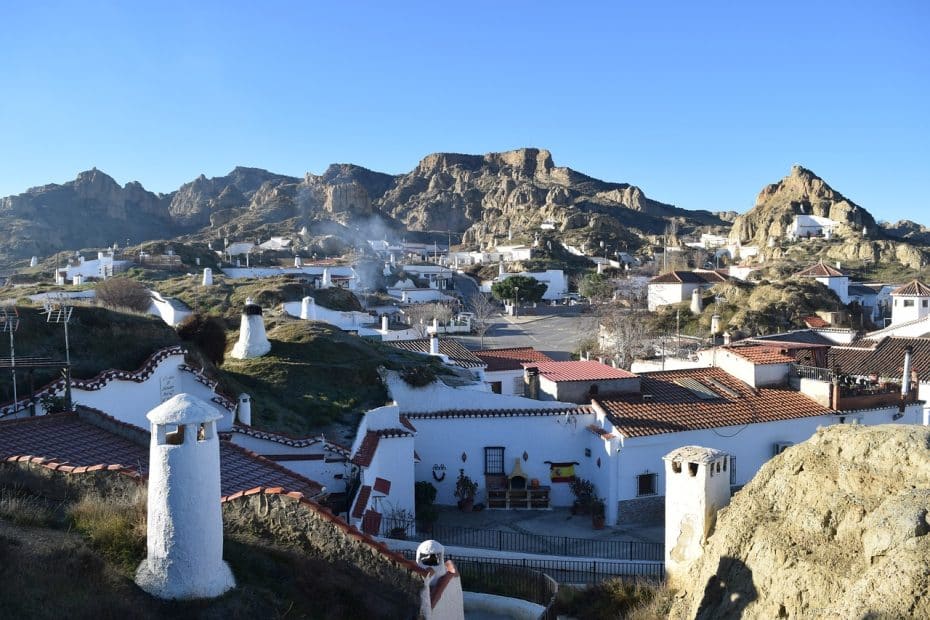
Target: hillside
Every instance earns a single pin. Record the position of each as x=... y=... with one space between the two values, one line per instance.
x=834 y=527
x=481 y=197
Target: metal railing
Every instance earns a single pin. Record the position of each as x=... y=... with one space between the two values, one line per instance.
x=501 y=540
x=811 y=372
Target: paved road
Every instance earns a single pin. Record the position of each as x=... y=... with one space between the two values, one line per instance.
x=557 y=336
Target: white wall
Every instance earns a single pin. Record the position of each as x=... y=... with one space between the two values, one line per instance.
x=663 y=294
x=511 y=381
x=129 y=401
x=440 y=442
x=751 y=446
x=900 y=313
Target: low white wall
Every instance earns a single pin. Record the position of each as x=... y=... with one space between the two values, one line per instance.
x=515 y=608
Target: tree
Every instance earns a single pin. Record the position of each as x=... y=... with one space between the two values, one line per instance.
x=624 y=334
x=207 y=332
x=421 y=316
x=483 y=309
x=123 y=293
x=596 y=287
x=530 y=289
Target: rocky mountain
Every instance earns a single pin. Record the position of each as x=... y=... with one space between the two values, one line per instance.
x=482 y=197
x=487 y=197
x=835 y=527
x=92 y=210
x=800 y=193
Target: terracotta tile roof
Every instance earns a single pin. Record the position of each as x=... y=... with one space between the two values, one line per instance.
x=688 y=277
x=820 y=270
x=500 y=413
x=800 y=336
x=361 y=502
x=510 y=359
x=762 y=354
x=366 y=451
x=382 y=486
x=814 y=321
x=405 y=421
x=450 y=347
x=288 y=440
x=667 y=406
x=884 y=358
x=69 y=439
x=579 y=371
x=600 y=432
x=914 y=288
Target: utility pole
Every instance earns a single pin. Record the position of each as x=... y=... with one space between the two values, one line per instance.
x=60 y=312
x=9 y=322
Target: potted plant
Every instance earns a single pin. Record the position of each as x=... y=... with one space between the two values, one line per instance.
x=399 y=522
x=598 y=513
x=583 y=490
x=424 y=495
x=465 y=490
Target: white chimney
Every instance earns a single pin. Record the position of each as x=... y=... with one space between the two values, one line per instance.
x=298 y=262
x=697 y=485
x=77 y=279
x=715 y=324
x=184 y=543
x=432 y=556
x=252 y=339
x=697 y=301
x=207 y=277
x=600 y=267
x=33 y=261
x=434 y=344
x=327 y=278
x=726 y=338
x=906 y=374
x=308 y=309
x=245 y=409
x=60 y=277
x=500 y=268
x=384 y=323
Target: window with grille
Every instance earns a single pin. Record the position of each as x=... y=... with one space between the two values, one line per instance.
x=647 y=484
x=493 y=461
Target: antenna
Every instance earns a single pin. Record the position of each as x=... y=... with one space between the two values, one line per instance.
x=58 y=310
x=9 y=322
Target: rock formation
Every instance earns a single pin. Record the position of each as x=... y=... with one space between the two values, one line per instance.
x=835 y=527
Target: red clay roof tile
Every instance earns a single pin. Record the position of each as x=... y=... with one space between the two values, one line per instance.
x=579 y=371
x=666 y=406
x=510 y=359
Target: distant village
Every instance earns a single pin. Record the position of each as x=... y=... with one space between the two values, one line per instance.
x=640 y=438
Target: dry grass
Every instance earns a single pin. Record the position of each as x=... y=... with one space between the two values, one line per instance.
x=616 y=598
x=115 y=526
x=23 y=508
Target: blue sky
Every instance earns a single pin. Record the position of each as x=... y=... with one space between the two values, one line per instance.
x=698 y=103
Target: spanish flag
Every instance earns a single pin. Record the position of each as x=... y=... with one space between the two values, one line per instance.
x=562 y=472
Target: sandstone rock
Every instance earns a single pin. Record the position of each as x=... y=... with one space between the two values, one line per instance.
x=835 y=527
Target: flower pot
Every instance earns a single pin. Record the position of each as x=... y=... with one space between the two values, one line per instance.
x=466 y=505
x=597 y=522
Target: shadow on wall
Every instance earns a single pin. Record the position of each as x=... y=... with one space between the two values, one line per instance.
x=728 y=592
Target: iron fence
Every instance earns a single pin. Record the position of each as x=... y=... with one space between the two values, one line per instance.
x=501 y=540
x=812 y=372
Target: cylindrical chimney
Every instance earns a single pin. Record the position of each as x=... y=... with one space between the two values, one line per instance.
x=532 y=382
x=715 y=325
x=245 y=410
x=384 y=323
x=207 y=277
x=434 y=344
x=906 y=375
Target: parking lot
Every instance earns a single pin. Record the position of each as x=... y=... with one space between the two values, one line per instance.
x=557 y=335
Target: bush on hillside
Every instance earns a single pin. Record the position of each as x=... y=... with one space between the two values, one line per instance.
x=123 y=293
x=208 y=333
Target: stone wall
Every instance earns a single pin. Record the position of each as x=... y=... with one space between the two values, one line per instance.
x=61 y=482
x=290 y=521
x=649 y=509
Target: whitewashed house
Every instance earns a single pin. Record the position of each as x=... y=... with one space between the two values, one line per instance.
x=554 y=279
x=805 y=226
x=675 y=287
x=833 y=279
x=504 y=368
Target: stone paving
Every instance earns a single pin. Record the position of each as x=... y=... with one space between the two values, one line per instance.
x=555 y=522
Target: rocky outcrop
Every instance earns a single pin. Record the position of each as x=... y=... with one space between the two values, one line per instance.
x=835 y=527
x=801 y=192
x=92 y=210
